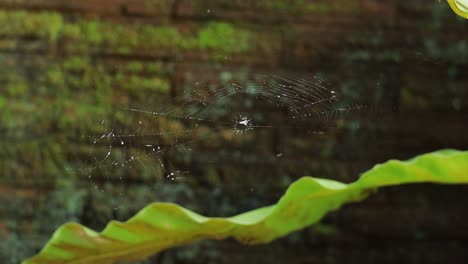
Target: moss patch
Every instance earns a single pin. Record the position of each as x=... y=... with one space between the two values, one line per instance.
x=84 y=35
x=317 y=7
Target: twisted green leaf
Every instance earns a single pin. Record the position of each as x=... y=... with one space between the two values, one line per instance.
x=460 y=7
x=162 y=225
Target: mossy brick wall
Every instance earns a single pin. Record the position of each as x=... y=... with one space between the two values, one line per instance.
x=67 y=65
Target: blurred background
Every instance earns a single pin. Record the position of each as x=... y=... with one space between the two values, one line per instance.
x=72 y=71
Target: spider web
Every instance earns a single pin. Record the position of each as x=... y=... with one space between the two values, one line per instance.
x=161 y=140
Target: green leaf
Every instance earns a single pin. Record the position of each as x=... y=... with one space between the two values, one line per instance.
x=460 y=7
x=160 y=226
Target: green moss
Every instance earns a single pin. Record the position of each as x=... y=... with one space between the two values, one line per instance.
x=17 y=88
x=84 y=35
x=156 y=67
x=43 y=24
x=224 y=37
x=93 y=31
x=156 y=84
x=164 y=37
x=2 y=101
x=76 y=63
x=135 y=66
x=125 y=39
x=331 y=7
x=55 y=76
x=304 y=6
x=136 y=83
